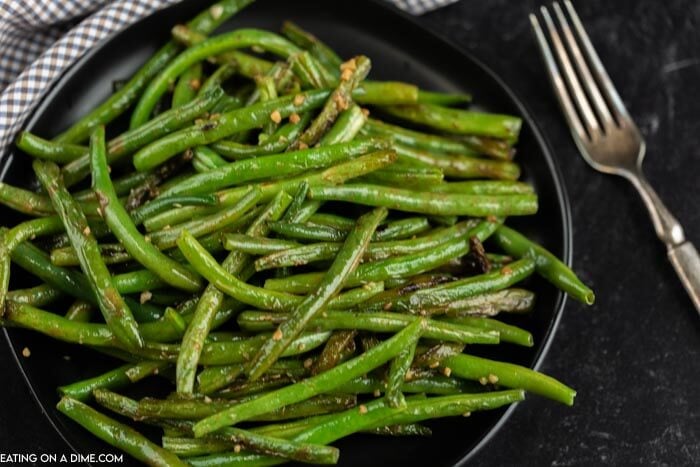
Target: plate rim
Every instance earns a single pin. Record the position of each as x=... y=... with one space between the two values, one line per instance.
x=563 y=202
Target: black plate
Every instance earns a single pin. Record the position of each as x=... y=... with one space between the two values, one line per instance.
x=399 y=49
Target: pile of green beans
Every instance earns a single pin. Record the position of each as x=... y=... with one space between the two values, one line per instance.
x=297 y=270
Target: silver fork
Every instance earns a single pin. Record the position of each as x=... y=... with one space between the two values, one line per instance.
x=604 y=132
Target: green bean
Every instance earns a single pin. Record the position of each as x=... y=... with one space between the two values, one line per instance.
x=159 y=205
x=25 y=201
x=456 y=290
x=308 y=71
x=466 y=145
x=548 y=266
x=116 y=403
x=416 y=139
x=113 y=308
x=99 y=335
x=436 y=384
x=122 y=185
x=371 y=321
x=266 y=91
x=459 y=166
x=328 y=59
x=283 y=253
x=246 y=389
x=192 y=447
x=197 y=409
x=118 y=102
x=339 y=100
x=431 y=357
x=111 y=254
x=507 y=332
x=309 y=208
x=229 y=438
x=218 y=77
x=137 y=281
x=410 y=177
x=400 y=365
x=207 y=159
x=165 y=239
x=117 y=434
x=335 y=174
x=291 y=255
x=115 y=379
x=315 y=385
x=401 y=229
x=483 y=187
x=233 y=40
x=338 y=344
x=212 y=299
x=48 y=150
x=445 y=99
x=393 y=230
x=128 y=142
x=74 y=283
x=346 y=127
x=455 y=121
x=80 y=311
x=227 y=353
x=204 y=23
x=10 y=239
x=41 y=295
x=297 y=201
x=276 y=143
x=509 y=375
x=416 y=410
x=172 y=325
x=411 y=429
x=256 y=245
x=214 y=378
x=487 y=304
x=356 y=296
x=291 y=429
x=333 y=220
x=386 y=93
x=181 y=409
x=187 y=85
x=307 y=231
x=124 y=229
x=5 y=264
x=246 y=65
x=302 y=452
x=401 y=266
x=290 y=163
x=150 y=186
x=375 y=415
x=428 y=203
x=144 y=312
x=345 y=262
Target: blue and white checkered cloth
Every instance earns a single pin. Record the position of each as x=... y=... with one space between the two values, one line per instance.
x=39 y=40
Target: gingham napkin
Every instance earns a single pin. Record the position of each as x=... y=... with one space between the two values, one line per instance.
x=39 y=39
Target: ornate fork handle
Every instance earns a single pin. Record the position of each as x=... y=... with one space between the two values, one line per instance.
x=682 y=254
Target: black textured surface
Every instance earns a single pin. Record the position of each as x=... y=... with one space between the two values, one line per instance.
x=635 y=356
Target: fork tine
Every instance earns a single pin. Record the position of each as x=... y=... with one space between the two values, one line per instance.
x=580 y=98
x=608 y=88
x=557 y=82
x=598 y=102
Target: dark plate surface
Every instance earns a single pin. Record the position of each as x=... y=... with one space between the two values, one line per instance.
x=399 y=49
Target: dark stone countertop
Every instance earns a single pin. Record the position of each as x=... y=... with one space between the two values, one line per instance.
x=635 y=356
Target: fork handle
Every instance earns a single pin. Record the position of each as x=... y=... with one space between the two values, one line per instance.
x=686 y=262
x=682 y=254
